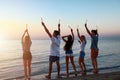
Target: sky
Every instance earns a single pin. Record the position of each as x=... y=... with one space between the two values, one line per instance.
x=103 y=15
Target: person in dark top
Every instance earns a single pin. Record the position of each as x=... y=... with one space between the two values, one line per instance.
x=69 y=53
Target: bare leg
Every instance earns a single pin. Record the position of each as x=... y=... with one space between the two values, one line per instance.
x=94 y=55
x=96 y=65
x=67 y=66
x=92 y=58
x=84 y=66
x=25 y=68
x=50 y=70
x=29 y=67
x=74 y=67
x=80 y=64
x=58 y=68
x=93 y=63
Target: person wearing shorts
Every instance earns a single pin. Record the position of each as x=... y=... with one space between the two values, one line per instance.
x=54 y=50
x=94 y=48
x=69 y=53
x=82 y=41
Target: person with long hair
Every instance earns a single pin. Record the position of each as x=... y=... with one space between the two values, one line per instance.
x=27 y=56
x=69 y=40
x=94 y=48
x=54 y=50
x=82 y=41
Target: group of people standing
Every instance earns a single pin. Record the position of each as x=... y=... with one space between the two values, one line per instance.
x=55 y=51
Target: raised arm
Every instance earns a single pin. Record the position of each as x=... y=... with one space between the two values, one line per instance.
x=59 y=28
x=87 y=30
x=47 y=31
x=80 y=39
x=23 y=36
x=78 y=33
x=29 y=36
x=63 y=38
x=72 y=34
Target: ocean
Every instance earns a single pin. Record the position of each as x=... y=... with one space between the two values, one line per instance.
x=11 y=63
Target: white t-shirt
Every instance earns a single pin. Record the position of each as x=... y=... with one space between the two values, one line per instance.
x=55 y=46
x=82 y=46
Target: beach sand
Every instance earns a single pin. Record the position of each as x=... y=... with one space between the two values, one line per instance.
x=89 y=76
x=100 y=76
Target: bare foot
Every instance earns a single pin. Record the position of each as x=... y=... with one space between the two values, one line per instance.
x=95 y=71
x=48 y=77
x=67 y=75
x=76 y=74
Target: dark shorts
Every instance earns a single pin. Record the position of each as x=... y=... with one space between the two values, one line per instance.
x=82 y=54
x=27 y=56
x=53 y=58
x=69 y=53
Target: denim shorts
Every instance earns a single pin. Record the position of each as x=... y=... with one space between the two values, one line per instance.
x=82 y=54
x=69 y=53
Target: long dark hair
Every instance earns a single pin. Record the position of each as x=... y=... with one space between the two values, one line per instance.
x=69 y=43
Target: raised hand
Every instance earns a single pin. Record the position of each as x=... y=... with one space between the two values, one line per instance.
x=47 y=31
x=88 y=31
x=42 y=22
x=77 y=29
x=26 y=30
x=71 y=30
x=85 y=24
x=59 y=27
x=59 y=23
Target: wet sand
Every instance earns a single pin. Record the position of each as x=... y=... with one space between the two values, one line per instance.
x=100 y=76
x=89 y=76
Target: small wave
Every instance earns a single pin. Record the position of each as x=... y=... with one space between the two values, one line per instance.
x=107 y=55
x=41 y=62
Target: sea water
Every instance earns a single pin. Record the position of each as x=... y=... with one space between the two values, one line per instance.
x=11 y=62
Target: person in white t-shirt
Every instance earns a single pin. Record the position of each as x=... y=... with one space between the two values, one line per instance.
x=82 y=41
x=54 y=49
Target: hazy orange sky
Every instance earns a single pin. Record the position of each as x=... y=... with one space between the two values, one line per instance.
x=15 y=14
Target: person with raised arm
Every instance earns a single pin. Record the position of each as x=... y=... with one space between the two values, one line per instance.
x=94 y=48
x=54 y=49
x=82 y=41
x=69 y=40
x=27 y=56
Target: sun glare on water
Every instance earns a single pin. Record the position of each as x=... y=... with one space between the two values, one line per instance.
x=3 y=48
x=2 y=38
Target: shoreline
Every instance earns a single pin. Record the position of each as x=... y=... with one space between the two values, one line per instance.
x=99 y=76
x=89 y=76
